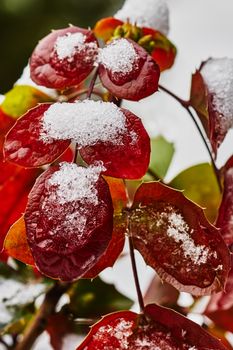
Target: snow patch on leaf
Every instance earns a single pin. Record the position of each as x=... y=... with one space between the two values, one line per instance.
x=75 y=183
x=86 y=123
x=218 y=76
x=119 y=57
x=147 y=13
x=179 y=230
x=67 y=45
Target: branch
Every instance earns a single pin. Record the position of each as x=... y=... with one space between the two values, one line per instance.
x=186 y=105
x=38 y=324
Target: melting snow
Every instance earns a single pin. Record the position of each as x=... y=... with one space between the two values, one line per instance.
x=119 y=56
x=146 y=13
x=86 y=122
x=218 y=75
x=76 y=183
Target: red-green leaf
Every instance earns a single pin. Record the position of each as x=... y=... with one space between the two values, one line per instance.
x=16 y=245
x=174 y=237
x=161 y=49
x=69 y=220
x=116 y=245
x=64 y=58
x=127 y=70
x=211 y=96
x=158 y=328
x=105 y=27
x=24 y=146
x=128 y=159
x=225 y=214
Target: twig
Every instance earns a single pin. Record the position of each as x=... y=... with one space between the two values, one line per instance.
x=186 y=105
x=38 y=324
x=135 y=274
x=132 y=257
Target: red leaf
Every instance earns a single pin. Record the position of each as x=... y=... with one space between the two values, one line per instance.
x=160 y=328
x=16 y=245
x=116 y=245
x=68 y=220
x=211 y=96
x=64 y=58
x=127 y=70
x=174 y=237
x=127 y=160
x=23 y=145
x=225 y=214
x=220 y=306
x=15 y=184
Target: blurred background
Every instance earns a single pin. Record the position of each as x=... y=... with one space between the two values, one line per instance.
x=24 y=22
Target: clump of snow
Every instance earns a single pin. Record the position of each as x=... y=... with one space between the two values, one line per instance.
x=218 y=76
x=69 y=44
x=179 y=230
x=76 y=183
x=146 y=13
x=85 y=122
x=119 y=56
x=26 y=80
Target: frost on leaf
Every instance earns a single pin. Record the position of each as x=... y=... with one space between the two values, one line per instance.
x=158 y=329
x=174 y=238
x=64 y=58
x=225 y=214
x=24 y=146
x=127 y=70
x=148 y=13
x=212 y=96
x=69 y=220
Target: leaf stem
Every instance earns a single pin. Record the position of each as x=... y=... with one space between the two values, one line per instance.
x=47 y=308
x=135 y=274
x=92 y=83
x=132 y=256
x=186 y=105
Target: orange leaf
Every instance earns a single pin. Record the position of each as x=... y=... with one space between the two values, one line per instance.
x=16 y=245
x=105 y=27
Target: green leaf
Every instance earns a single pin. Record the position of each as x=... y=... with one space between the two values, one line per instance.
x=200 y=185
x=92 y=299
x=21 y=98
x=162 y=153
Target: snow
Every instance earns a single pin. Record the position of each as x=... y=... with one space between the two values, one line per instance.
x=14 y=293
x=66 y=46
x=179 y=230
x=218 y=75
x=2 y=98
x=119 y=56
x=76 y=183
x=146 y=13
x=85 y=122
